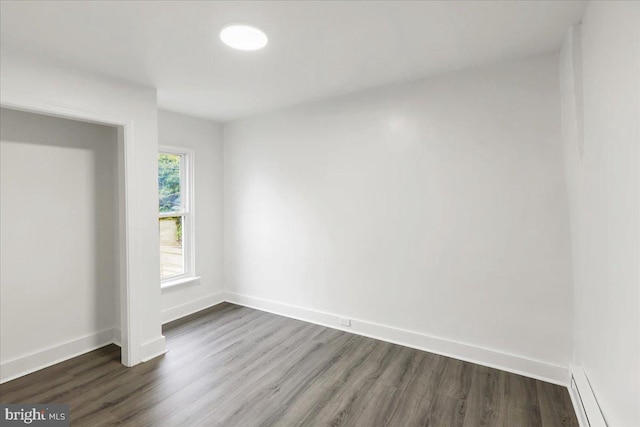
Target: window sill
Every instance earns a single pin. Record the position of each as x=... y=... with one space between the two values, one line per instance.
x=178 y=282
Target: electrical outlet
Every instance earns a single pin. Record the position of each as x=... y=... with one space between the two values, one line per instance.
x=345 y=321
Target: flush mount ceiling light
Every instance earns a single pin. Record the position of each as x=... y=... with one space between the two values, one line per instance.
x=243 y=37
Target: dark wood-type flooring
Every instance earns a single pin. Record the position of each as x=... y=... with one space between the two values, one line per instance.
x=235 y=366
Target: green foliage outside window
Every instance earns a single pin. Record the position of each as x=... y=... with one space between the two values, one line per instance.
x=169 y=188
x=169 y=182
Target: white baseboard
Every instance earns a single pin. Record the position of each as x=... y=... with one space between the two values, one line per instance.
x=577 y=404
x=30 y=363
x=507 y=362
x=117 y=337
x=19 y=367
x=33 y=362
x=495 y=359
x=153 y=348
x=584 y=400
x=192 y=307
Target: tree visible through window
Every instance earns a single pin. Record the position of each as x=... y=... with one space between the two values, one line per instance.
x=173 y=214
x=169 y=181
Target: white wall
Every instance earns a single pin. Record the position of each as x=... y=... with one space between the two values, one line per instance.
x=436 y=206
x=44 y=84
x=205 y=139
x=601 y=81
x=58 y=218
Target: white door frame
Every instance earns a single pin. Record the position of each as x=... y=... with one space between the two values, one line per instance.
x=129 y=313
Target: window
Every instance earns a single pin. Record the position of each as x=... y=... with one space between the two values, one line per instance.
x=175 y=216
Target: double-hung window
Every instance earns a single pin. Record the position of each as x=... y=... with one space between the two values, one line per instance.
x=175 y=217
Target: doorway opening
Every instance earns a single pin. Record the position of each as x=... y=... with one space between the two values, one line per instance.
x=64 y=236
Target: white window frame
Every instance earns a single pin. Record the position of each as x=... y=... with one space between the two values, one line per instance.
x=187 y=213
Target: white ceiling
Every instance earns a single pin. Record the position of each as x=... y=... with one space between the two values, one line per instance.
x=316 y=49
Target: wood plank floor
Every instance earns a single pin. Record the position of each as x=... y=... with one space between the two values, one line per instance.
x=235 y=366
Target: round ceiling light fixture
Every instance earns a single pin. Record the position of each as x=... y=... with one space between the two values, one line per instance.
x=243 y=37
